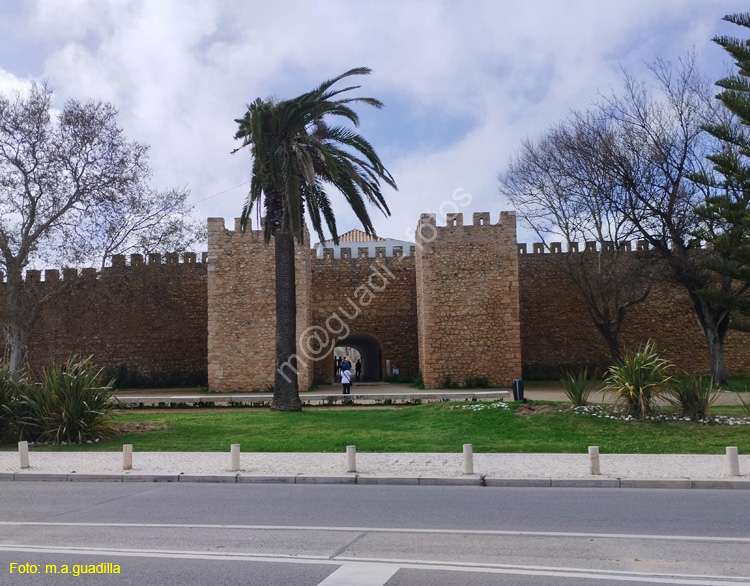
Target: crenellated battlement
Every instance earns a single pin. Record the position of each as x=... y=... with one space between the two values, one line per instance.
x=588 y=246
x=506 y=218
x=117 y=262
x=356 y=251
x=217 y=226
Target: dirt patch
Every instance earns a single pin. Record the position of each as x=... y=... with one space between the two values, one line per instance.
x=533 y=409
x=141 y=427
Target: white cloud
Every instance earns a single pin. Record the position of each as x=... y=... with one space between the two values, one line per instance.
x=181 y=71
x=10 y=84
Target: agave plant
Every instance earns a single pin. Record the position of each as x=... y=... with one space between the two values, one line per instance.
x=8 y=399
x=71 y=404
x=578 y=387
x=638 y=379
x=692 y=395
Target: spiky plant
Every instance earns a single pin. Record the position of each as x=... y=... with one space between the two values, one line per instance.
x=692 y=395
x=71 y=404
x=638 y=379
x=578 y=387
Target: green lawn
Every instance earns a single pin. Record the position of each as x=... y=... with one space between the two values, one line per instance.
x=423 y=428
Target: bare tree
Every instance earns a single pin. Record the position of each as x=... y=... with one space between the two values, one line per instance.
x=72 y=190
x=629 y=170
x=661 y=143
x=563 y=190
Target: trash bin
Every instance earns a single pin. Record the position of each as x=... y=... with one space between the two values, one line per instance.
x=518 y=389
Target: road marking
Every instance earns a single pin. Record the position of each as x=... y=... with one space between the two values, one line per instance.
x=356 y=574
x=713 y=539
x=363 y=566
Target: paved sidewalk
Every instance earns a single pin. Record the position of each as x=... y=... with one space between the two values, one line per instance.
x=617 y=470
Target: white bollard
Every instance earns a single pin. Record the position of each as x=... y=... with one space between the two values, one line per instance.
x=127 y=456
x=351 y=458
x=594 y=460
x=468 y=459
x=23 y=454
x=733 y=461
x=235 y=457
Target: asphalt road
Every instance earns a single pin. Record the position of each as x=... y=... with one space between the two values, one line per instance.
x=214 y=534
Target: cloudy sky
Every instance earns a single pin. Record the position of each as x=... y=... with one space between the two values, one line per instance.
x=463 y=82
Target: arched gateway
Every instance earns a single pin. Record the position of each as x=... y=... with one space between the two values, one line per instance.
x=370 y=354
x=429 y=307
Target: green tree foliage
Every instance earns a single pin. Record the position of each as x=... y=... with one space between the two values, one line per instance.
x=296 y=153
x=726 y=211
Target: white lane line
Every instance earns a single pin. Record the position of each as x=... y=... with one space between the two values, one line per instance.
x=356 y=574
x=713 y=539
x=582 y=573
x=479 y=565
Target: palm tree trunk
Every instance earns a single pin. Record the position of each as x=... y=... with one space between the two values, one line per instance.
x=285 y=389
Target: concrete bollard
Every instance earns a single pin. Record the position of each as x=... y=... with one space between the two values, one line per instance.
x=23 y=454
x=594 y=460
x=733 y=461
x=468 y=459
x=235 y=457
x=351 y=458
x=127 y=456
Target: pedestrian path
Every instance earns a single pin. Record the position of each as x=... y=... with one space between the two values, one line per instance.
x=617 y=470
x=377 y=392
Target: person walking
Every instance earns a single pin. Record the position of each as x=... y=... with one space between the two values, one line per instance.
x=358 y=370
x=346 y=381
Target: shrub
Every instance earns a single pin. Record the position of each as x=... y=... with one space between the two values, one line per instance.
x=405 y=378
x=638 y=380
x=693 y=396
x=578 y=387
x=126 y=377
x=8 y=398
x=71 y=404
x=479 y=382
x=448 y=383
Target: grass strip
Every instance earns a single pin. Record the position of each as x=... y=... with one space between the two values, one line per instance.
x=423 y=428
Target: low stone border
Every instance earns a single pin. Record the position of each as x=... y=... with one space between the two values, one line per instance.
x=264 y=399
x=469 y=480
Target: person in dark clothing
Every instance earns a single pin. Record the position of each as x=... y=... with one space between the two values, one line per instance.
x=358 y=369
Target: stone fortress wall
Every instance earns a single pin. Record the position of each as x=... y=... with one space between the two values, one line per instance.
x=242 y=308
x=448 y=301
x=467 y=300
x=374 y=299
x=149 y=317
x=556 y=330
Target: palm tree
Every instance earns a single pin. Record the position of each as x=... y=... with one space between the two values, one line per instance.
x=295 y=154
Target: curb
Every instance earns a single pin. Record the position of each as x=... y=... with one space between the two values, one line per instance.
x=542 y=482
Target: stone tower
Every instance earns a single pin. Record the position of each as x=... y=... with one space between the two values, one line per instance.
x=242 y=308
x=467 y=300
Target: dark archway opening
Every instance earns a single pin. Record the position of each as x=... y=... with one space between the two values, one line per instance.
x=368 y=349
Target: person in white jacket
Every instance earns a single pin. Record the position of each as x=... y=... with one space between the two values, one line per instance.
x=346 y=381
